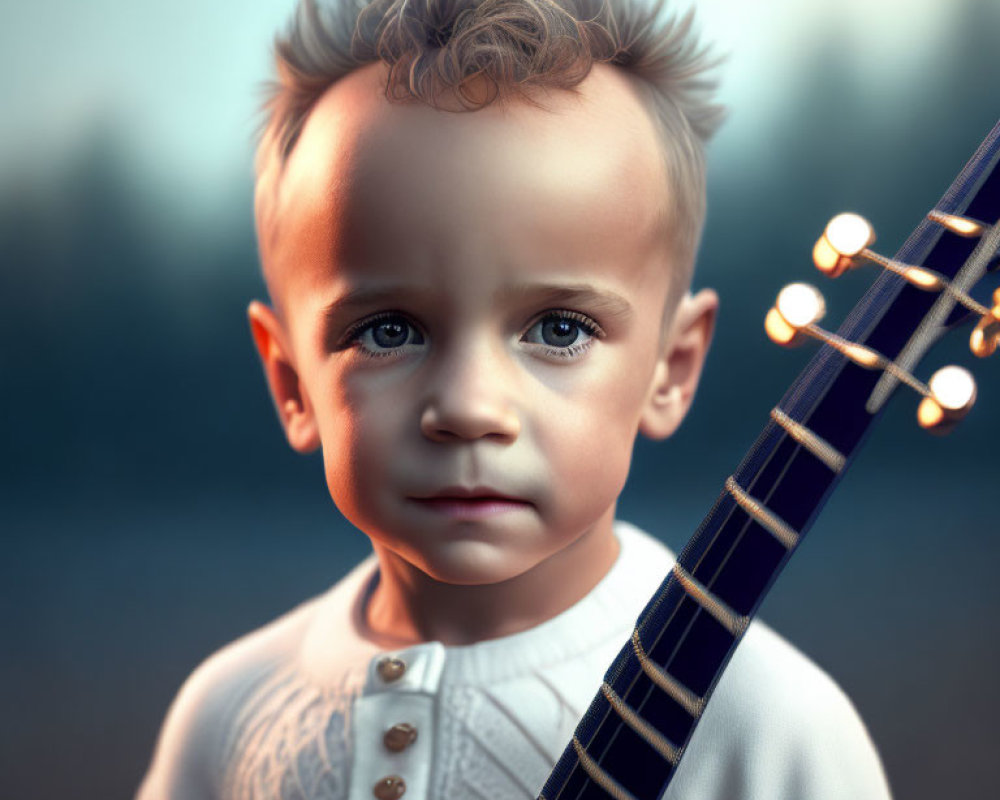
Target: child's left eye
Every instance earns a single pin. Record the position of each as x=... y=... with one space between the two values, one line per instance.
x=563 y=333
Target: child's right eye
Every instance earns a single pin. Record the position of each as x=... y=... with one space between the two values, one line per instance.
x=383 y=335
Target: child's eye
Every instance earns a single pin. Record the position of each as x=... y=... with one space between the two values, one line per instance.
x=386 y=334
x=563 y=334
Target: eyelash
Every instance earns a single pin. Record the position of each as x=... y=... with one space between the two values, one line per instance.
x=584 y=322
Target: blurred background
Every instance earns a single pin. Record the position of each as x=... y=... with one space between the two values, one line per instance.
x=150 y=510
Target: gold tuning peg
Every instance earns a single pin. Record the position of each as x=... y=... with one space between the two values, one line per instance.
x=951 y=393
x=843 y=244
x=986 y=335
x=799 y=306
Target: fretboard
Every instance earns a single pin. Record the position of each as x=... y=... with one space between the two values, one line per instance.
x=637 y=727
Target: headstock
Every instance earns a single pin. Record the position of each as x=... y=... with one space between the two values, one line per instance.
x=846 y=245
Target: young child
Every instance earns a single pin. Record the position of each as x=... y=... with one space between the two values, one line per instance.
x=477 y=223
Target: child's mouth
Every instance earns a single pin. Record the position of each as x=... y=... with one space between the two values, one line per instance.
x=471 y=504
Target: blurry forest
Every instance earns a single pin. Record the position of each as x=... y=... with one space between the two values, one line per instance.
x=151 y=511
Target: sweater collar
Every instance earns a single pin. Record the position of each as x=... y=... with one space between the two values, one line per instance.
x=336 y=651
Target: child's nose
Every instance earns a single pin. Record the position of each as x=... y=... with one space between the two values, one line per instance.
x=470 y=398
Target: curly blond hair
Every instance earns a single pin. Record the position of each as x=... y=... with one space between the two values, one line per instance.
x=433 y=47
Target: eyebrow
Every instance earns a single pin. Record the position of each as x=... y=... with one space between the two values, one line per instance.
x=362 y=296
x=573 y=294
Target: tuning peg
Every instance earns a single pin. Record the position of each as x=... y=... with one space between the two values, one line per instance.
x=951 y=393
x=798 y=307
x=986 y=335
x=843 y=244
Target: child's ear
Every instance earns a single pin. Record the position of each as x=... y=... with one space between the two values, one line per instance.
x=679 y=365
x=290 y=400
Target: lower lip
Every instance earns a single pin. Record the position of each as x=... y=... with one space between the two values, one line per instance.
x=473 y=508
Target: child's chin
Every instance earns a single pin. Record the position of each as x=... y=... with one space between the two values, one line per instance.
x=475 y=564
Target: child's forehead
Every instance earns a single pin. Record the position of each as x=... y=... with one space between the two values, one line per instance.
x=363 y=167
x=600 y=132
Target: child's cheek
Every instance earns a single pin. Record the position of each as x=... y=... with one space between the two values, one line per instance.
x=361 y=432
x=587 y=447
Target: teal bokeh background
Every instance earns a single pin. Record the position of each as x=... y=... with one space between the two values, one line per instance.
x=150 y=510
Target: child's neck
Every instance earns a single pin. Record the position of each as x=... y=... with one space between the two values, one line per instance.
x=408 y=606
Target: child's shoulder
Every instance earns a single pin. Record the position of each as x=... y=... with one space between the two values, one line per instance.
x=192 y=750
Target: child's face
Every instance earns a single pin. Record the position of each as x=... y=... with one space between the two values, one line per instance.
x=473 y=306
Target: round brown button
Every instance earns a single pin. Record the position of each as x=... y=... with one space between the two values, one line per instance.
x=391 y=787
x=391 y=669
x=399 y=736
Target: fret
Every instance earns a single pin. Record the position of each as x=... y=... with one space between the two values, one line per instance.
x=599 y=776
x=656 y=689
x=778 y=528
x=653 y=737
x=687 y=699
x=816 y=445
x=735 y=623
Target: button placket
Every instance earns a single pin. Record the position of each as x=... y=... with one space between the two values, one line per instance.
x=397 y=703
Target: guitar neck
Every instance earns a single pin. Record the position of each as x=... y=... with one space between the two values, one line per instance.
x=636 y=729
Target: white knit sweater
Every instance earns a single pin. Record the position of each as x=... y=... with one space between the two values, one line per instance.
x=298 y=709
